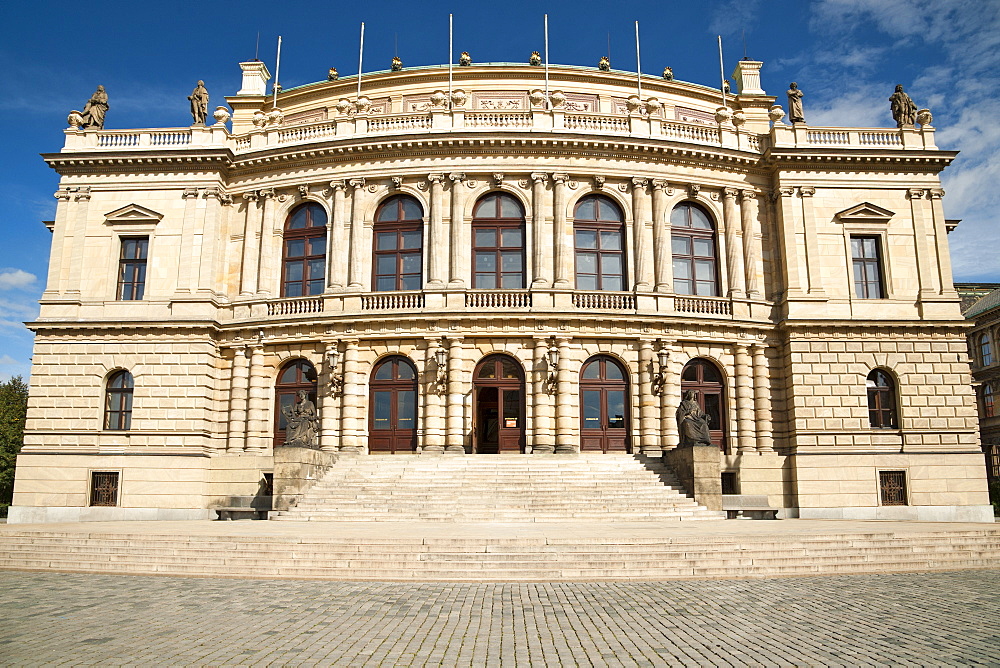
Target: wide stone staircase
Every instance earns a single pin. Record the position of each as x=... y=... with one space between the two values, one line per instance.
x=498 y=488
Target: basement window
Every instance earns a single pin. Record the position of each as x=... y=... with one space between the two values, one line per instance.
x=729 y=485
x=892 y=488
x=104 y=488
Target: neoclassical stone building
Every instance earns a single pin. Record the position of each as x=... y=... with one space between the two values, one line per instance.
x=500 y=263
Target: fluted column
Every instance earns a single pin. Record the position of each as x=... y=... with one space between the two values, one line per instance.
x=457 y=244
x=352 y=401
x=734 y=244
x=648 y=411
x=238 y=392
x=329 y=403
x=270 y=245
x=336 y=243
x=541 y=236
x=455 y=436
x=251 y=245
x=358 y=254
x=744 y=400
x=434 y=418
x=640 y=231
x=662 y=254
x=257 y=431
x=562 y=236
x=751 y=242
x=565 y=442
x=543 y=441
x=762 y=399
x=437 y=249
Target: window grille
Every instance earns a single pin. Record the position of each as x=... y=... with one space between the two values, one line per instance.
x=104 y=488
x=892 y=487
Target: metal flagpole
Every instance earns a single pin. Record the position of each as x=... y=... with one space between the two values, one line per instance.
x=451 y=52
x=361 y=57
x=277 y=70
x=638 y=61
x=548 y=103
x=722 y=74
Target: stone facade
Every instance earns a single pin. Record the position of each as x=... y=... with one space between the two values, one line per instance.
x=790 y=340
x=983 y=338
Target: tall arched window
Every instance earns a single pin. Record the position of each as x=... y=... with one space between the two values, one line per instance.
x=985 y=349
x=987 y=394
x=295 y=375
x=692 y=239
x=603 y=406
x=393 y=406
x=498 y=242
x=304 y=254
x=599 y=233
x=118 y=401
x=398 y=245
x=705 y=379
x=881 y=400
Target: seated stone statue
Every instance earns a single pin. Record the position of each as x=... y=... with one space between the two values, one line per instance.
x=300 y=422
x=692 y=422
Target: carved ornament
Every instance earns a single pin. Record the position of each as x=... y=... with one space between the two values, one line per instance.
x=807 y=191
x=598 y=182
x=397 y=182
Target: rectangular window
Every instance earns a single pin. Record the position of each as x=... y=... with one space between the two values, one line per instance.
x=729 y=482
x=867 y=263
x=132 y=268
x=892 y=488
x=104 y=488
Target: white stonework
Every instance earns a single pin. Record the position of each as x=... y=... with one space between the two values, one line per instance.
x=793 y=342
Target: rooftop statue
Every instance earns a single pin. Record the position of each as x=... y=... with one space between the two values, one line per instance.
x=464 y=60
x=199 y=103
x=604 y=64
x=795 y=112
x=535 y=58
x=332 y=74
x=904 y=111
x=668 y=73
x=397 y=64
x=97 y=107
x=692 y=422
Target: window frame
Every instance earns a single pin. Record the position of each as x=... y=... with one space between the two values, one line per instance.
x=138 y=287
x=306 y=234
x=985 y=349
x=599 y=226
x=399 y=226
x=693 y=233
x=887 y=394
x=126 y=393
x=93 y=488
x=499 y=223
x=861 y=289
x=987 y=400
x=884 y=490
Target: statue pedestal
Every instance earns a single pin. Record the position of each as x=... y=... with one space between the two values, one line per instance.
x=295 y=471
x=699 y=469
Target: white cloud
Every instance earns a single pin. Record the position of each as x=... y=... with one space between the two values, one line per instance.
x=731 y=17
x=15 y=278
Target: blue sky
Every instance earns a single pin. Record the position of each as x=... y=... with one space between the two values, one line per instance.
x=846 y=55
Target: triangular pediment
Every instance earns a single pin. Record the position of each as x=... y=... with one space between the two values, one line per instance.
x=133 y=213
x=866 y=212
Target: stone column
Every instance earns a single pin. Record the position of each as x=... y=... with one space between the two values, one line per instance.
x=669 y=399
x=251 y=245
x=641 y=233
x=455 y=437
x=662 y=253
x=434 y=419
x=543 y=439
x=744 y=400
x=734 y=244
x=788 y=223
x=458 y=245
x=60 y=239
x=74 y=250
x=358 y=255
x=926 y=274
x=564 y=402
x=336 y=244
x=257 y=431
x=562 y=238
x=648 y=413
x=214 y=233
x=270 y=245
x=437 y=249
x=540 y=235
x=751 y=242
x=329 y=408
x=941 y=235
x=188 y=247
x=813 y=265
x=762 y=399
x=352 y=401
x=238 y=392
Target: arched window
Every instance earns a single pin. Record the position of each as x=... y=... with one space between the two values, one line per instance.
x=881 y=400
x=398 y=245
x=987 y=394
x=692 y=239
x=304 y=254
x=985 y=350
x=295 y=375
x=603 y=406
x=498 y=242
x=393 y=406
x=704 y=378
x=118 y=401
x=599 y=233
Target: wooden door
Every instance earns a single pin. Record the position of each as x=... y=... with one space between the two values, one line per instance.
x=604 y=399
x=393 y=407
x=499 y=406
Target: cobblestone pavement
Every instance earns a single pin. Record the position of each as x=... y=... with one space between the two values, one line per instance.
x=913 y=619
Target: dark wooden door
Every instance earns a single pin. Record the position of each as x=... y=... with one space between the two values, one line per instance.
x=604 y=423
x=499 y=406
x=705 y=379
x=393 y=407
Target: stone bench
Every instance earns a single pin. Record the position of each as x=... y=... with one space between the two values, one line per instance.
x=244 y=507
x=754 y=506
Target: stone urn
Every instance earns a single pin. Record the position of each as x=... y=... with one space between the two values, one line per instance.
x=439 y=99
x=221 y=115
x=653 y=106
x=536 y=97
x=362 y=104
x=776 y=113
x=739 y=118
x=259 y=119
x=75 y=119
x=723 y=114
x=557 y=98
x=459 y=98
x=343 y=106
x=634 y=104
x=924 y=117
x=275 y=117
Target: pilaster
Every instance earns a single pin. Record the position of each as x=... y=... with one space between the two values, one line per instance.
x=187 y=248
x=813 y=263
x=762 y=399
x=251 y=245
x=734 y=245
x=540 y=234
x=434 y=418
x=642 y=231
x=437 y=250
x=926 y=275
x=59 y=242
x=662 y=253
x=648 y=409
x=270 y=245
x=563 y=237
x=941 y=237
x=358 y=254
x=752 y=243
x=455 y=436
x=239 y=390
x=565 y=442
x=329 y=402
x=336 y=257
x=744 y=399
x=73 y=252
x=352 y=401
x=543 y=441
x=257 y=404
x=457 y=236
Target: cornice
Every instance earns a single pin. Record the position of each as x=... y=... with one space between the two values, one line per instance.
x=117 y=162
x=855 y=158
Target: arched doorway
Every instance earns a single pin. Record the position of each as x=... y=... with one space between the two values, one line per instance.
x=603 y=406
x=393 y=406
x=295 y=375
x=705 y=379
x=498 y=391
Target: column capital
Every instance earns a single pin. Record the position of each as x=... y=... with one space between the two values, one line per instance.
x=539 y=177
x=638 y=182
x=807 y=191
x=747 y=195
x=356 y=183
x=730 y=193
x=660 y=184
x=83 y=194
x=436 y=179
x=457 y=177
x=915 y=193
x=784 y=192
x=560 y=178
x=936 y=193
x=251 y=196
x=338 y=185
x=61 y=194
x=267 y=193
x=189 y=193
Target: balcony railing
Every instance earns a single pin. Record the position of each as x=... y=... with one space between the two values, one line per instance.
x=493 y=299
x=390 y=301
x=703 y=305
x=295 y=306
x=604 y=300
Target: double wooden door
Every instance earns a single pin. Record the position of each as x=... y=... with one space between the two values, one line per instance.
x=603 y=407
x=393 y=407
x=498 y=390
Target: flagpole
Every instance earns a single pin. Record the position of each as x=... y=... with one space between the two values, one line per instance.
x=361 y=57
x=277 y=70
x=722 y=75
x=638 y=61
x=548 y=103
x=451 y=53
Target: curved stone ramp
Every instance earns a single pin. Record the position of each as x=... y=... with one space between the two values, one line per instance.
x=500 y=552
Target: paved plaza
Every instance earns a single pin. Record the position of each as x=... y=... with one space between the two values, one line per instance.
x=950 y=618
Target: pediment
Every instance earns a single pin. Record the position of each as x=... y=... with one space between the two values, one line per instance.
x=866 y=212
x=133 y=213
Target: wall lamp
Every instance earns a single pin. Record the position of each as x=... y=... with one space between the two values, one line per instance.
x=441 y=358
x=660 y=377
x=552 y=357
x=333 y=359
